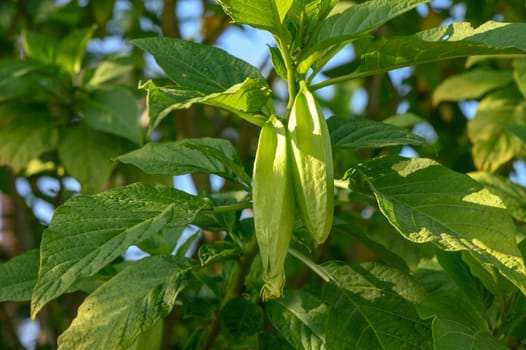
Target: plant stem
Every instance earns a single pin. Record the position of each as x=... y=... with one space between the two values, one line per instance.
x=234 y=289
x=291 y=72
x=317 y=269
x=231 y=207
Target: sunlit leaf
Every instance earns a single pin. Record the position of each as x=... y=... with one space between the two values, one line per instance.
x=513 y=196
x=471 y=85
x=451 y=41
x=248 y=96
x=88 y=232
x=264 y=14
x=115 y=314
x=71 y=49
x=492 y=144
x=427 y=202
x=355 y=22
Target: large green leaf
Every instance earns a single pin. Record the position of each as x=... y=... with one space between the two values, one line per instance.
x=363 y=133
x=88 y=232
x=196 y=67
x=18 y=276
x=301 y=318
x=362 y=299
x=29 y=134
x=457 y=324
x=202 y=155
x=115 y=314
x=512 y=195
x=113 y=111
x=451 y=41
x=87 y=154
x=493 y=145
x=354 y=311
x=354 y=22
x=471 y=85
x=249 y=96
x=358 y=20
x=264 y=14
x=427 y=202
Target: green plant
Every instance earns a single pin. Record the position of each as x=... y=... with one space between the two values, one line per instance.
x=447 y=271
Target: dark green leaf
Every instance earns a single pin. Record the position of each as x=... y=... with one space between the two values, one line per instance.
x=196 y=67
x=363 y=133
x=18 y=276
x=202 y=155
x=13 y=68
x=88 y=232
x=427 y=202
x=87 y=154
x=301 y=318
x=471 y=85
x=115 y=314
x=241 y=318
x=459 y=271
x=457 y=324
x=28 y=135
x=363 y=299
x=113 y=111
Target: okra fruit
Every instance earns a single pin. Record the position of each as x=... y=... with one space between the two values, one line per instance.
x=311 y=164
x=273 y=204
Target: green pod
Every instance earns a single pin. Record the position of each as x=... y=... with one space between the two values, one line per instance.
x=273 y=204
x=312 y=167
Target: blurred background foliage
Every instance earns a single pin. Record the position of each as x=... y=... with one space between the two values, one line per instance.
x=69 y=104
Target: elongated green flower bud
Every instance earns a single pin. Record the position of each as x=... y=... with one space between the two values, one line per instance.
x=273 y=205
x=312 y=168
